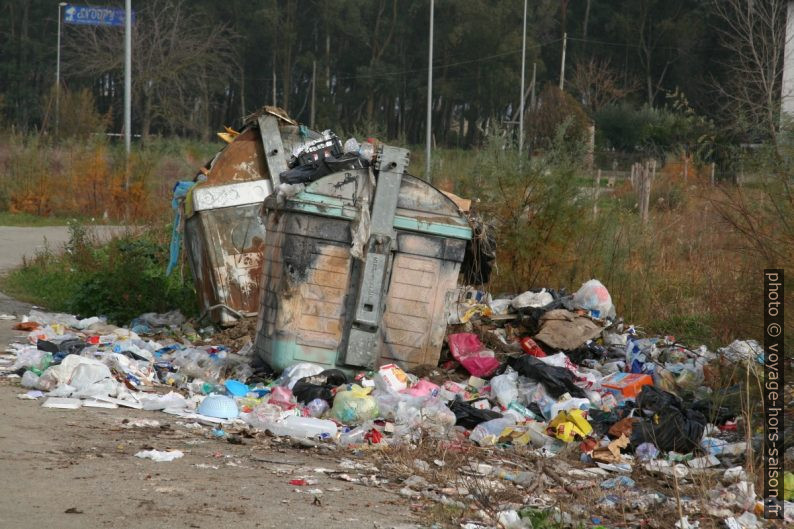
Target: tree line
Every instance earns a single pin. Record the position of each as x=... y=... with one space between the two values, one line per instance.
x=360 y=66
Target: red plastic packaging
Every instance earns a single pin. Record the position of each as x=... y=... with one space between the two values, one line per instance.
x=531 y=347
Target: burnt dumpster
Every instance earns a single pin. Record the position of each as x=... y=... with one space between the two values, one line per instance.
x=359 y=266
x=223 y=229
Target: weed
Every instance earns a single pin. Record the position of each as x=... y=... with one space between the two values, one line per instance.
x=120 y=279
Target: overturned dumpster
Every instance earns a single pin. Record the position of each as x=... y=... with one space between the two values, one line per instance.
x=224 y=234
x=359 y=267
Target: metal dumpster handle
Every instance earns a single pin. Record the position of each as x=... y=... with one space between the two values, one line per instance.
x=273 y=147
x=362 y=345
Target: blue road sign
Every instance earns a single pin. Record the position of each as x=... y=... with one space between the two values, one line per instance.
x=94 y=16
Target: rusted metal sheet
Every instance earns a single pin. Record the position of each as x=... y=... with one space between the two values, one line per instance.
x=225 y=247
x=224 y=232
x=240 y=161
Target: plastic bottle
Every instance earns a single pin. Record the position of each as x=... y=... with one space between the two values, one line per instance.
x=487 y=433
x=354 y=436
x=317 y=407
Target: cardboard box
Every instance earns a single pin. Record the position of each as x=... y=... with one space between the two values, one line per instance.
x=626 y=385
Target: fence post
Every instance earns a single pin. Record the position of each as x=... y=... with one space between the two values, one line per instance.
x=596 y=193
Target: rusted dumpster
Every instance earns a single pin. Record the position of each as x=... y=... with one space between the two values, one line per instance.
x=224 y=233
x=320 y=303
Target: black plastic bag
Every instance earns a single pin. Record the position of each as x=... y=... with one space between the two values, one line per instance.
x=666 y=422
x=556 y=380
x=671 y=429
x=468 y=416
x=61 y=350
x=319 y=386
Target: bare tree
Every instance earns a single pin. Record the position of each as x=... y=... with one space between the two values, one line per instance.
x=179 y=62
x=754 y=33
x=597 y=84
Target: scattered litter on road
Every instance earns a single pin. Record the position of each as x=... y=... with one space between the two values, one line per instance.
x=160 y=456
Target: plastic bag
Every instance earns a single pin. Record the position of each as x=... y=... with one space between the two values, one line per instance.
x=319 y=386
x=88 y=373
x=594 y=296
x=505 y=388
x=556 y=380
x=532 y=299
x=282 y=397
x=668 y=424
x=467 y=349
x=468 y=416
x=354 y=405
x=431 y=416
x=295 y=372
x=423 y=388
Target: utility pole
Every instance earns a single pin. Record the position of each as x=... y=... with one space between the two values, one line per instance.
x=429 y=131
x=314 y=91
x=787 y=95
x=127 y=86
x=562 y=64
x=58 y=73
x=523 y=67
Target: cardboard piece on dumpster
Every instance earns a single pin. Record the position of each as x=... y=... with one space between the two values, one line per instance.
x=566 y=331
x=464 y=204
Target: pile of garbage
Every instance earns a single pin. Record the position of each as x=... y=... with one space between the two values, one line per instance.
x=543 y=373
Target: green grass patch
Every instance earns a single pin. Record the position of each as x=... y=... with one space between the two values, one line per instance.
x=693 y=329
x=120 y=279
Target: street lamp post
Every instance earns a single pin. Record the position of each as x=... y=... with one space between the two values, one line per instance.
x=58 y=73
x=429 y=131
x=523 y=68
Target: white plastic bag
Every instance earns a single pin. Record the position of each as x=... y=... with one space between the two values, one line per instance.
x=505 y=388
x=594 y=296
x=532 y=299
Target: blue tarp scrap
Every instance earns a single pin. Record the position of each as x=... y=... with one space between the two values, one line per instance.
x=181 y=190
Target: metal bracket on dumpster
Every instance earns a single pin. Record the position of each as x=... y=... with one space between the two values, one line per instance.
x=362 y=346
x=275 y=156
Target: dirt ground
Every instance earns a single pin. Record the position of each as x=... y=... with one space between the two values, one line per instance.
x=77 y=469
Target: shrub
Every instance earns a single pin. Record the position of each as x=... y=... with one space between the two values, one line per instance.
x=120 y=279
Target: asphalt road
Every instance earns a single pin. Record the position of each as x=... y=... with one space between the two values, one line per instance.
x=18 y=242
